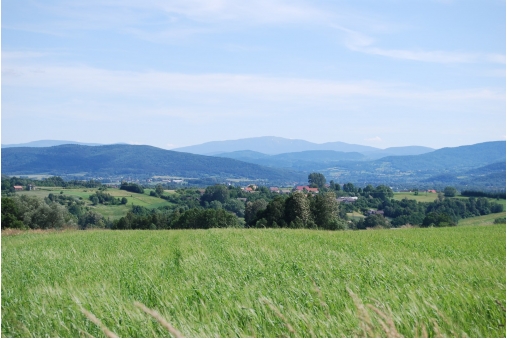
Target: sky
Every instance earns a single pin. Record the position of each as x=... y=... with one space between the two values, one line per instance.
x=382 y=73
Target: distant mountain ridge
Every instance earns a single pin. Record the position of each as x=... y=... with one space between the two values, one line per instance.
x=479 y=165
x=110 y=160
x=49 y=143
x=276 y=145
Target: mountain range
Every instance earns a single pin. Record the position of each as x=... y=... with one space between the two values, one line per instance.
x=478 y=165
x=276 y=145
x=132 y=160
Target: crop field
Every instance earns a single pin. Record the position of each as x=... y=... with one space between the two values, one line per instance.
x=256 y=283
x=108 y=211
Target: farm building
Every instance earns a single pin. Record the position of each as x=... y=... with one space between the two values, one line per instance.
x=18 y=188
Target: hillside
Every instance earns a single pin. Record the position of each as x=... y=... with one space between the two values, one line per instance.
x=131 y=160
x=450 y=158
x=301 y=161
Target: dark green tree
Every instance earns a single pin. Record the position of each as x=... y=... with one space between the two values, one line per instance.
x=349 y=187
x=450 y=191
x=317 y=180
x=324 y=209
x=215 y=192
x=159 y=190
x=382 y=192
x=252 y=208
x=297 y=206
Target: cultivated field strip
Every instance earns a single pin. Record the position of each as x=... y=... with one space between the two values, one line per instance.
x=256 y=283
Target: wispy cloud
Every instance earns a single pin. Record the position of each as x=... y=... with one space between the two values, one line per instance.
x=152 y=84
x=156 y=20
x=360 y=42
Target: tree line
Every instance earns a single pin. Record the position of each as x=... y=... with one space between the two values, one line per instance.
x=229 y=206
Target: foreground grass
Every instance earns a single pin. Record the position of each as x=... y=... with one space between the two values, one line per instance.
x=269 y=283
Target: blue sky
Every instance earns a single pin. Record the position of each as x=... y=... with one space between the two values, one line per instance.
x=184 y=72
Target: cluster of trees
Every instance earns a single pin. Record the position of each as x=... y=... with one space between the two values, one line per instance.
x=54 y=211
x=441 y=212
x=296 y=211
x=26 y=212
x=493 y=195
x=8 y=183
x=132 y=187
x=100 y=197
x=158 y=192
x=164 y=218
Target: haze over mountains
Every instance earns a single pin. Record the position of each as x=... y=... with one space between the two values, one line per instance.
x=48 y=143
x=276 y=145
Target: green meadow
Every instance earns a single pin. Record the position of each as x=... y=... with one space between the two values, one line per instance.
x=256 y=283
x=430 y=197
x=421 y=197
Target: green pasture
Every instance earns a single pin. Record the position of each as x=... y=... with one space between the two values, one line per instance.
x=421 y=197
x=111 y=211
x=447 y=282
x=355 y=215
x=482 y=220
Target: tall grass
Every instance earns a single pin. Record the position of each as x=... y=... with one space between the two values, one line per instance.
x=263 y=283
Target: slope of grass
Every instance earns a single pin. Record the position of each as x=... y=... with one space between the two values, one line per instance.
x=482 y=220
x=253 y=282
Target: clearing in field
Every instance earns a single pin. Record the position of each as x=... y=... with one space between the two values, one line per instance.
x=257 y=282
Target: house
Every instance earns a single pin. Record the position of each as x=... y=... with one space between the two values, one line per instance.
x=31 y=187
x=307 y=188
x=18 y=188
x=242 y=199
x=274 y=189
x=285 y=191
x=432 y=191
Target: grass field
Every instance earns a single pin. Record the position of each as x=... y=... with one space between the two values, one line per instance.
x=257 y=283
x=421 y=197
x=482 y=220
x=108 y=211
x=430 y=197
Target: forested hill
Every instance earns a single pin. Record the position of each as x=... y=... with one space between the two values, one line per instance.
x=132 y=160
x=450 y=158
